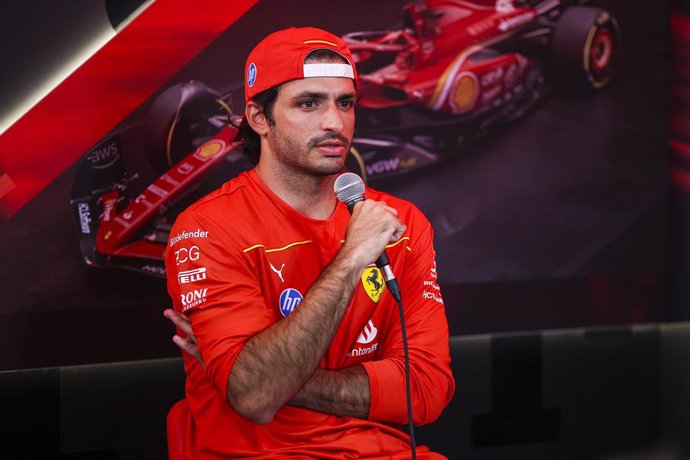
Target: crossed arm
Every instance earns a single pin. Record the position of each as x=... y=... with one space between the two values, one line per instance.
x=275 y=364
x=343 y=392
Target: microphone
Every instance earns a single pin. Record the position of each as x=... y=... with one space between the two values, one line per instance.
x=349 y=189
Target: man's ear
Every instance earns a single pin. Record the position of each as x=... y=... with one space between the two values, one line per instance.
x=256 y=118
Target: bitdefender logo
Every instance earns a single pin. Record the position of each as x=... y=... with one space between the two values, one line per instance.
x=198 y=233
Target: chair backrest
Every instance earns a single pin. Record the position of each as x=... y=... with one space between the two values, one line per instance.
x=178 y=418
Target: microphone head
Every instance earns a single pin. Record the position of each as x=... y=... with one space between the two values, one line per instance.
x=349 y=188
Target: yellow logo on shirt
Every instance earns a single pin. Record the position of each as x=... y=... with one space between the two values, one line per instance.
x=373 y=283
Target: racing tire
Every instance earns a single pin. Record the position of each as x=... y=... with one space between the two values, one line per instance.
x=177 y=122
x=585 y=46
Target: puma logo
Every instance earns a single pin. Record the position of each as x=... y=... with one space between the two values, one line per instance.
x=278 y=272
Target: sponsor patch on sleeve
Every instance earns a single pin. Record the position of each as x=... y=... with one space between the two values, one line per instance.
x=193 y=298
x=198 y=233
x=191 y=276
x=432 y=291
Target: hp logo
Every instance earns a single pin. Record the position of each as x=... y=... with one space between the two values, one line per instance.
x=289 y=299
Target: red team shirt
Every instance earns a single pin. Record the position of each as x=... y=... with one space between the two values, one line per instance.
x=241 y=259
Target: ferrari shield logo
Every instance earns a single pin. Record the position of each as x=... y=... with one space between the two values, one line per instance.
x=373 y=283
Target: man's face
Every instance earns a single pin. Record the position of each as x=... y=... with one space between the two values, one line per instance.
x=314 y=124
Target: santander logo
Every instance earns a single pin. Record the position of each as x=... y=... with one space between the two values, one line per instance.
x=368 y=334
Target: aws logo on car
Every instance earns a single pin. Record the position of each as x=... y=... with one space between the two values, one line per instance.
x=105 y=154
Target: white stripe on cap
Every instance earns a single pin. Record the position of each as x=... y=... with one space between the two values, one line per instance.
x=328 y=69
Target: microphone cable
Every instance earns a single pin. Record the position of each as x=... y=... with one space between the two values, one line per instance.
x=408 y=386
x=349 y=189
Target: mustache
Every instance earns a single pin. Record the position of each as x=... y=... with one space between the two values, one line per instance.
x=329 y=137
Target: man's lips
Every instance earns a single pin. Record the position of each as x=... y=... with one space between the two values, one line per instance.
x=332 y=147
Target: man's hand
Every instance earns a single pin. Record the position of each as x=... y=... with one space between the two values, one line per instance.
x=188 y=344
x=374 y=224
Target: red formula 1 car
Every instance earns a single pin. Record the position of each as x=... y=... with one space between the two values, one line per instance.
x=457 y=68
x=451 y=71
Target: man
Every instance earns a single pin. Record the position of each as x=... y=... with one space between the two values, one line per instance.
x=298 y=345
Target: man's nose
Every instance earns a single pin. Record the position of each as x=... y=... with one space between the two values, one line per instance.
x=332 y=119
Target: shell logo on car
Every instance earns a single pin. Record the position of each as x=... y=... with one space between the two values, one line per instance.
x=209 y=149
x=465 y=94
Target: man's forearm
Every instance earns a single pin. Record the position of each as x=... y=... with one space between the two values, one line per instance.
x=342 y=392
x=276 y=363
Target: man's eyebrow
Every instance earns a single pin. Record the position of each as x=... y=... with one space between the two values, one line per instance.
x=322 y=96
x=352 y=95
x=310 y=95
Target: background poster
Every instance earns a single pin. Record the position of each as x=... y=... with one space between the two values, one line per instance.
x=557 y=219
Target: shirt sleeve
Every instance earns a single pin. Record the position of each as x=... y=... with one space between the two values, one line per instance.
x=210 y=281
x=431 y=378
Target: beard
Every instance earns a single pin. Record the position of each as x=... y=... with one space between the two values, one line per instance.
x=305 y=159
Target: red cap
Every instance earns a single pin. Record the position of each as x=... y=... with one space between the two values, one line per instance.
x=280 y=57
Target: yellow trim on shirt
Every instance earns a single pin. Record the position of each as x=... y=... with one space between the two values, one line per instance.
x=399 y=241
x=276 y=249
x=392 y=244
